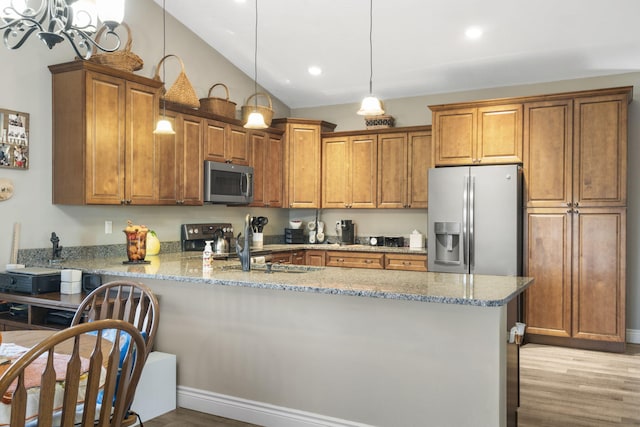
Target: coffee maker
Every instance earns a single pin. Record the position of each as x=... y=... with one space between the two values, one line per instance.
x=346 y=232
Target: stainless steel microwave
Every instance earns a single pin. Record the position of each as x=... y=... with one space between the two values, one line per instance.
x=228 y=184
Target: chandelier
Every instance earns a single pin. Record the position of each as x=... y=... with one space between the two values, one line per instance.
x=53 y=21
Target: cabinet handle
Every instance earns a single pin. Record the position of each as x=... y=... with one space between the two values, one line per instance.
x=406 y=262
x=577 y=212
x=367 y=261
x=569 y=211
x=569 y=204
x=575 y=204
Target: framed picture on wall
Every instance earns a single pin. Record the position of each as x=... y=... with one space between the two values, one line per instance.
x=14 y=139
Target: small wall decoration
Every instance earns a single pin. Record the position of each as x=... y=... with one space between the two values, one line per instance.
x=6 y=189
x=14 y=139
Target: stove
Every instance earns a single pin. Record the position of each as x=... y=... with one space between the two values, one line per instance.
x=193 y=236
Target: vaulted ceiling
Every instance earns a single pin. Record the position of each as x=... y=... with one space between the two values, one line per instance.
x=419 y=46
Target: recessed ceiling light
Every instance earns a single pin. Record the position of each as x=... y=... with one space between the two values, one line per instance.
x=473 y=33
x=314 y=70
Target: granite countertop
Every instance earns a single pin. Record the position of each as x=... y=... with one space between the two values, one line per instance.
x=462 y=289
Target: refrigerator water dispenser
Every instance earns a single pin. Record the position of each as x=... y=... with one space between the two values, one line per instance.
x=447 y=242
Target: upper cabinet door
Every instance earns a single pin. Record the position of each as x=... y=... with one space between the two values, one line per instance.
x=335 y=172
x=304 y=165
x=105 y=140
x=600 y=153
x=141 y=167
x=419 y=161
x=548 y=152
x=237 y=151
x=499 y=134
x=455 y=136
x=363 y=163
x=392 y=170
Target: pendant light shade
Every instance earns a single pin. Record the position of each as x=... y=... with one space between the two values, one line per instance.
x=371 y=106
x=163 y=127
x=255 y=119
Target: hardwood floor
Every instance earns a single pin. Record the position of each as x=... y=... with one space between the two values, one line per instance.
x=559 y=387
x=578 y=388
x=187 y=418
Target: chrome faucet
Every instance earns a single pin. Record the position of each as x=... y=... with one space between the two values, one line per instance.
x=244 y=253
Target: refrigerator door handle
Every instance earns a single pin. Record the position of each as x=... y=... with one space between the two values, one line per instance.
x=472 y=194
x=465 y=234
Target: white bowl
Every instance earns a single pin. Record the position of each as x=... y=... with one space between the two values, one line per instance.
x=295 y=223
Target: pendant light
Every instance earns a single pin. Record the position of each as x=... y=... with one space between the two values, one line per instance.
x=371 y=106
x=163 y=127
x=255 y=119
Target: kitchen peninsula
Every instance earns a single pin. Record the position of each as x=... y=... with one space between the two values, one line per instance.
x=333 y=346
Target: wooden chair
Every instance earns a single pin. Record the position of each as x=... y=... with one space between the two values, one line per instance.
x=87 y=365
x=129 y=301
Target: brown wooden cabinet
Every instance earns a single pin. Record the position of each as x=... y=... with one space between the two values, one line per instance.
x=226 y=142
x=352 y=179
x=575 y=151
x=349 y=166
x=298 y=257
x=403 y=163
x=600 y=150
x=575 y=170
x=302 y=148
x=548 y=153
x=477 y=133
x=315 y=258
x=103 y=146
x=283 y=257
x=179 y=165
x=369 y=260
x=266 y=153
x=577 y=259
x=407 y=262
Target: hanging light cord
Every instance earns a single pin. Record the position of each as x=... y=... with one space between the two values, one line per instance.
x=164 y=53
x=255 y=62
x=371 y=47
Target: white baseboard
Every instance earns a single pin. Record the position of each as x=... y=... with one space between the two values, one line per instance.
x=633 y=336
x=250 y=411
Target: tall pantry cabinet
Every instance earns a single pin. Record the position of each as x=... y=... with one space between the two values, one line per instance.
x=575 y=170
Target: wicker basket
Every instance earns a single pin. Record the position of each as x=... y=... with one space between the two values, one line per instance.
x=267 y=112
x=124 y=60
x=379 y=122
x=220 y=106
x=181 y=92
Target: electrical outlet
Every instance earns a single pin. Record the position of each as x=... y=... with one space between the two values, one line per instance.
x=108 y=227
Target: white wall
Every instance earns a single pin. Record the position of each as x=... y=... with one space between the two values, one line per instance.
x=414 y=111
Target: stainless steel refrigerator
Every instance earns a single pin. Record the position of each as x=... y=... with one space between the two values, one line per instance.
x=475 y=221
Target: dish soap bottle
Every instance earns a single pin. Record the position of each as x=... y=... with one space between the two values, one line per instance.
x=207 y=255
